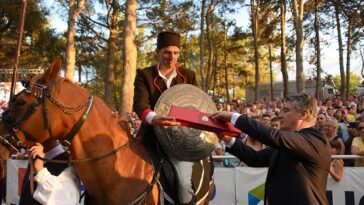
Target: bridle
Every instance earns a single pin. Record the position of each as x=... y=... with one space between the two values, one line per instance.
x=41 y=93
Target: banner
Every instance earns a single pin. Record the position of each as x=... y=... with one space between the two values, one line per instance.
x=15 y=171
x=5 y=93
x=350 y=189
x=224 y=186
x=250 y=183
x=233 y=186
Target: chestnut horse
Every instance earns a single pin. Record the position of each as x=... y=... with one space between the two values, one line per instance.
x=114 y=167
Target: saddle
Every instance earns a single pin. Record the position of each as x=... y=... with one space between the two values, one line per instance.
x=168 y=175
x=161 y=162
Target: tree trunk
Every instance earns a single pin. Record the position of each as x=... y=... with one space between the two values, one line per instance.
x=129 y=57
x=298 y=25
x=271 y=72
x=111 y=55
x=74 y=11
x=225 y=64
x=341 y=58
x=318 y=53
x=79 y=71
x=283 y=49
x=202 y=53
x=209 y=72
x=348 y=54
x=215 y=85
x=254 y=19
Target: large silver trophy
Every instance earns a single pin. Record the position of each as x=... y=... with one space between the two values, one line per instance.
x=184 y=143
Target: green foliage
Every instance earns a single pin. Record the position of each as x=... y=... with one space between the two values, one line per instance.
x=355 y=81
x=40 y=45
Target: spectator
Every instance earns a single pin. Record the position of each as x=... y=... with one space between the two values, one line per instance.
x=357 y=146
x=321 y=118
x=266 y=119
x=276 y=123
x=218 y=151
x=337 y=165
x=330 y=112
x=343 y=125
x=329 y=130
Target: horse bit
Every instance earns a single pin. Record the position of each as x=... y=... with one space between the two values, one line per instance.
x=42 y=92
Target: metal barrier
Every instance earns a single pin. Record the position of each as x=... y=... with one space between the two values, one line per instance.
x=333 y=156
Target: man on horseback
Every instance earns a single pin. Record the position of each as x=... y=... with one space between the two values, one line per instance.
x=149 y=84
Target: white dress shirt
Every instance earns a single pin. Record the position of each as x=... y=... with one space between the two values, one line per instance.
x=57 y=190
x=167 y=81
x=233 y=121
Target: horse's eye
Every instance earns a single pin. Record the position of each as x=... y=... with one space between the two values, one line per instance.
x=20 y=102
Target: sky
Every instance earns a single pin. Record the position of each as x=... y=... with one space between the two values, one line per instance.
x=329 y=53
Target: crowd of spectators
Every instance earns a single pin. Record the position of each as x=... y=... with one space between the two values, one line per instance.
x=342 y=122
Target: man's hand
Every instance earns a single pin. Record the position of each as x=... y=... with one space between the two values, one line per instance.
x=223 y=116
x=224 y=138
x=34 y=151
x=164 y=121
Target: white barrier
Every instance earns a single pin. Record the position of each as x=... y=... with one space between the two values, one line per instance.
x=15 y=170
x=234 y=186
x=247 y=186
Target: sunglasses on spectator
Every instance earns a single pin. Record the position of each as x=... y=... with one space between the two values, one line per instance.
x=361 y=128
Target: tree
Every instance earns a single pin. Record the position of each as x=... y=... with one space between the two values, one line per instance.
x=129 y=56
x=32 y=55
x=75 y=8
x=318 y=52
x=298 y=9
x=254 y=8
x=355 y=82
x=283 y=48
x=341 y=58
x=202 y=35
x=112 y=53
x=209 y=15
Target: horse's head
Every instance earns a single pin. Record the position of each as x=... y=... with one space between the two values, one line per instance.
x=42 y=109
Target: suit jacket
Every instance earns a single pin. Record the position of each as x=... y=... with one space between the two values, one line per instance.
x=299 y=162
x=148 y=87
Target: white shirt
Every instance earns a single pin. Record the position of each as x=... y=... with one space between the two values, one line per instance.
x=167 y=81
x=233 y=121
x=57 y=190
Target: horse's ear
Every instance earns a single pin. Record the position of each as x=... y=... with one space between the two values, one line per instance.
x=52 y=71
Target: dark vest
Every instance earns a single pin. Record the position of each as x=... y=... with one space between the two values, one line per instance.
x=54 y=168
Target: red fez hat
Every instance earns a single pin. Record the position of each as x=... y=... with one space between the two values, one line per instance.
x=168 y=38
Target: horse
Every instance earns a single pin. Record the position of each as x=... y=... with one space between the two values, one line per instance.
x=114 y=167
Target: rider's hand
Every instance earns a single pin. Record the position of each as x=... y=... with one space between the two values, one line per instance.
x=34 y=151
x=164 y=121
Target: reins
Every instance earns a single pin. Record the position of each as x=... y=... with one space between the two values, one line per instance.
x=96 y=158
x=42 y=92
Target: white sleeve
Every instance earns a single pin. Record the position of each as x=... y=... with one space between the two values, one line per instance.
x=150 y=117
x=234 y=118
x=57 y=190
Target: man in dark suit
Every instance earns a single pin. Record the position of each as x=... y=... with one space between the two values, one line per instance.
x=149 y=84
x=298 y=156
